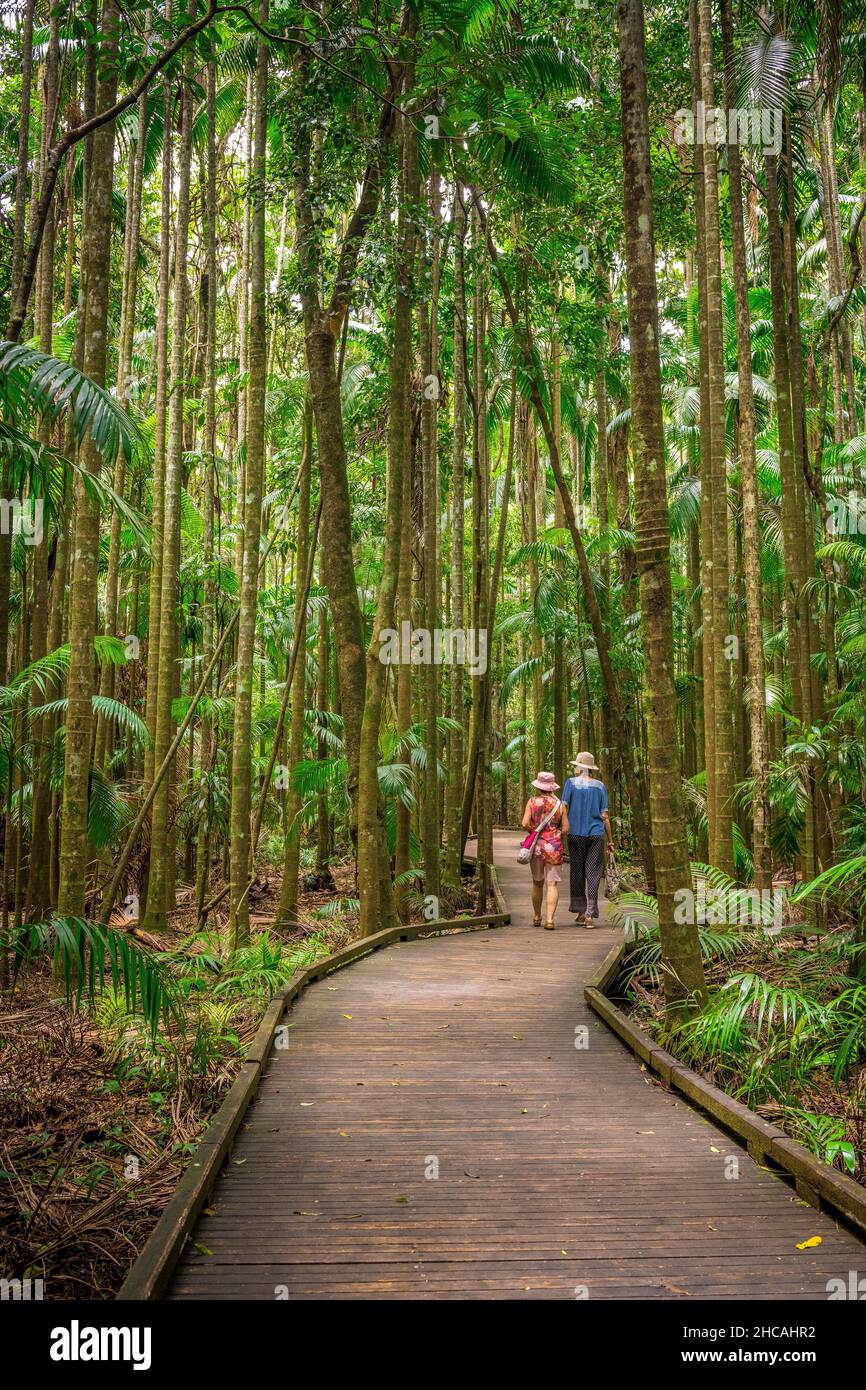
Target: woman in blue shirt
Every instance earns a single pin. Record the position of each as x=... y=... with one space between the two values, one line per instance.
x=585 y=798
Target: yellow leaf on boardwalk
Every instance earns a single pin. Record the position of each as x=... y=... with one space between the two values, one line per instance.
x=808 y=1244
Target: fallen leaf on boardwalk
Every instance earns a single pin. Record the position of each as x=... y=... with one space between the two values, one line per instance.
x=471 y=1175
x=563 y=1252
x=239 y=1162
x=202 y=1249
x=209 y=1211
x=347 y=1015
x=306 y=1103
x=401 y=1199
x=810 y=1243
x=345 y=1134
x=524 y=1112
x=714 y=1150
x=518 y=1037
x=306 y=1213
x=674 y=1288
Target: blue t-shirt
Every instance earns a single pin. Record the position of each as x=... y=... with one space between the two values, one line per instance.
x=585 y=798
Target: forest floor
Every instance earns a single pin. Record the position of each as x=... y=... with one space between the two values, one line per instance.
x=99 y=1117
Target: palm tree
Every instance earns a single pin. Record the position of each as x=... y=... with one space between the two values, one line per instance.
x=684 y=975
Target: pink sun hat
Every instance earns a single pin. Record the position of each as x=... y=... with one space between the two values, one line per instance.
x=546 y=782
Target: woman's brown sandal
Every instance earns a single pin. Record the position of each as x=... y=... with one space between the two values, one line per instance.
x=536 y=921
x=588 y=922
x=548 y=926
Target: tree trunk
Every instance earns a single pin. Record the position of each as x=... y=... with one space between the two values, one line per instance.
x=682 y=965
x=287 y=912
x=721 y=825
x=429 y=338
x=241 y=775
x=96 y=267
x=757 y=688
x=160 y=885
x=453 y=793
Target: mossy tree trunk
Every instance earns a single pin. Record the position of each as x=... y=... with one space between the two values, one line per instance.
x=96 y=267
x=241 y=774
x=681 y=958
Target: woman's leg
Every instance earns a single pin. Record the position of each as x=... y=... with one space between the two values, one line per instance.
x=537 y=895
x=552 y=900
x=577 y=854
x=577 y=849
x=594 y=870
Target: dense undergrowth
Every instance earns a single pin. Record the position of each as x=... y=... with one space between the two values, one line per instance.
x=784 y=1029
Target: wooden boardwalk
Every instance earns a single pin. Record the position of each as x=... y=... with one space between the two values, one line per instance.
x=563 y=1172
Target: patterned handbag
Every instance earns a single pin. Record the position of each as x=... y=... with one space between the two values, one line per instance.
x=611 y=878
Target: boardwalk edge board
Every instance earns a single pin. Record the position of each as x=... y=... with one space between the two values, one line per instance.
x=151 y=1272
x=816 y=1183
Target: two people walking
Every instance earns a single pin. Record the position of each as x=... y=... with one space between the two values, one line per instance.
x=582 y=817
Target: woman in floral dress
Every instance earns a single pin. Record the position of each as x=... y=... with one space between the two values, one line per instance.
x=546 y=861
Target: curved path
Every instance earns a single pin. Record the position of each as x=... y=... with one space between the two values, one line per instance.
x=563 y=1172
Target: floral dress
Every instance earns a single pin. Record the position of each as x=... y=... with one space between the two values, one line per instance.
x=549 y=842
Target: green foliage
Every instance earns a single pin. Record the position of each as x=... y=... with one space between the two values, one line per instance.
x=89 y=958
x=33 y=381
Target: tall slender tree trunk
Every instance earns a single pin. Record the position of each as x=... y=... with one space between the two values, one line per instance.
x=323 y=836
x=160 y=886
x=682 y=965
x=757 y=684
x=323 y=324
x=399 y=461
x=96 y=267
x=42 y=728
x=792 y=520
x=430 y=492
x=721 y=826
x=241 y=775
x=160 y=413
x=287 y=913
x=708 y=643
x=22 y=174
x=453 y=793
x=209 y=728
x=129 y=302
